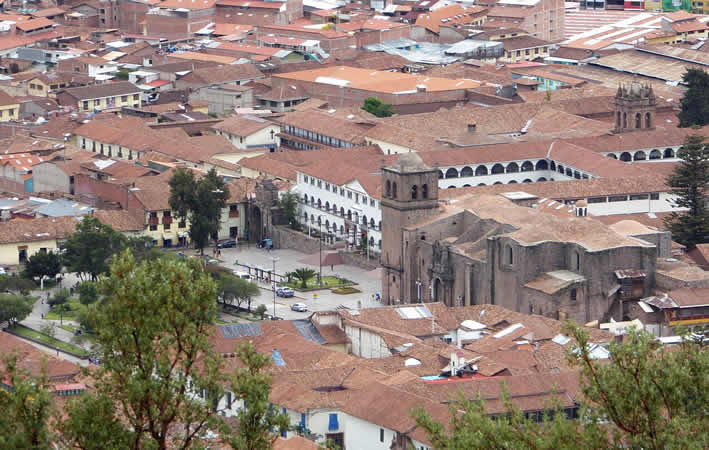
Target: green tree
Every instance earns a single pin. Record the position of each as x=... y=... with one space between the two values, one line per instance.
x=647 y=397
x=59 y=298
x=91 y=424
x=199 y=201
x=289 y=206
x=14 y=308
x=88 y=292
x=89 y=249
x=261 y=311
x=26 y=409
x=303 y=275
x=375 y=106
x=234 y=289
x=42 y=264
x=695 y=102
x=258 y=419
x=153 y=333
x=49 y=329
x=13 y=283
x=690 y=181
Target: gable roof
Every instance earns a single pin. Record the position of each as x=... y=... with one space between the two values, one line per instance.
x=103 y=90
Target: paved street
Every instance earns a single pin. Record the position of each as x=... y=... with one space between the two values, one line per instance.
x=317 y=300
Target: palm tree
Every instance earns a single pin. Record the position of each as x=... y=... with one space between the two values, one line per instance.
x=303 y=275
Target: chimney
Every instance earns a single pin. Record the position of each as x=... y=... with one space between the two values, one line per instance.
x=472 y=127
x=581 y=208
x=454 y=364
x=458 y=339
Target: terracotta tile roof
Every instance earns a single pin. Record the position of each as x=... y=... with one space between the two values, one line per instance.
x=48 y=12
x=369 y=24
x=225 y=29
x=187 y=4
x=34 y=361
x=524 y=42
x=34 y=24
x=377 y=81
x=39 y=229
x=242 y=125
x=433 y=19
x=117 y=169
x=13 y=41
x=689 y=298
x=120 y=220
x=689 y=25
x=246 y=4
x=6 y=99
x=294 y=443
x=223 y=74
x=103 y=90
x=196 y=56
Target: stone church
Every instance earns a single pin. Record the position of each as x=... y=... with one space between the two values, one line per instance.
x=488 y=249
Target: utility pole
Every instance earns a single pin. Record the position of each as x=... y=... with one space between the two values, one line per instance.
x=320 y=238
x=273 y=281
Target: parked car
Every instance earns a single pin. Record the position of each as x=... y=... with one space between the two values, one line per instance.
x=243 y=275
x=284 y=291
x=266 y=243
x=228 y=243
x=300 y=307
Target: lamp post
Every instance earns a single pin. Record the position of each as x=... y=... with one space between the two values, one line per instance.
x=273 y=281
x=418 y=290
x=320 y=239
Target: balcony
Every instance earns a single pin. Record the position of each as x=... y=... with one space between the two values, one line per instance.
x=166 y=220
x=153 y=220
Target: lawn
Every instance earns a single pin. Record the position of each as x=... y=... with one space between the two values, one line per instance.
x=346 y=290
x=72 y=314
x=327 y=282
x=26 y=332
x=69 y=328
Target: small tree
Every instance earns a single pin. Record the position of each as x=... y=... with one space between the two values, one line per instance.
x=60 y=297
x=88 y=292
x=375 y=106
x=690 y=181
x=257 y=419
x=42 y=264
x=261 y=311
x=14 y=308
x=303 y=275
x=49 y=329
x=695 y=102
x=289 y=205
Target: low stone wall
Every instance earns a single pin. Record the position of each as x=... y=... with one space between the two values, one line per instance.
x=284 y=237
x=354 y=259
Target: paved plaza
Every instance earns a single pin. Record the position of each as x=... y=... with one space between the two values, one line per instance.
x=288 y=261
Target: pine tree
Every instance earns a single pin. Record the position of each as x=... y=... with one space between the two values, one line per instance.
x=689 y=181
x=695 y=102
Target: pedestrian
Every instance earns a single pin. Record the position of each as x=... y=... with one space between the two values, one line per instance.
x=332 y=267
x=219 y=252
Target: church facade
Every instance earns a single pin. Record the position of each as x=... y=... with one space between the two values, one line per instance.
x=489 y=249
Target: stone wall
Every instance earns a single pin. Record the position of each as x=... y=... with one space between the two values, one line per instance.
x=357 y=260
x=284 y=237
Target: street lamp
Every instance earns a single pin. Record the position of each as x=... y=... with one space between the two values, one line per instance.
x=273 y=281
x=320 y=239
x=418 y=290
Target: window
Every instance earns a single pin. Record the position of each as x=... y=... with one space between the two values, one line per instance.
x=655 y=196
x=372 y=203
x=393 y=190
x=349 y=194
x=333 y=424
x=414 y=192
x=135 y=96
x=153 y=227
x=639 y=197
x=509 y=256
x=85 y=105
x=305 y=178
x=381 y=435
x=618 y=198
x=124 y=98
x=320 y=184
x=342 y=192
x=572 y=295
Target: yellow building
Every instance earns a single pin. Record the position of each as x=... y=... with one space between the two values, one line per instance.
x=20 y=239
x=9 y=107
x=98 y=97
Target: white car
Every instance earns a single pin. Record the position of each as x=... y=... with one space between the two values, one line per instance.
x=299 y=307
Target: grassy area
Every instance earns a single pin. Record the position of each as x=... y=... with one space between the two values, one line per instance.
x=221 y=322
x=327 y=282
x=69 y=328
x=26 y=332
x=74 y=308
x=346 y=290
